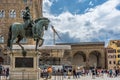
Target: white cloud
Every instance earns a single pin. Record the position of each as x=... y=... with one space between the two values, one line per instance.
x=46 y=5
x=87 y=26
x=91 y=3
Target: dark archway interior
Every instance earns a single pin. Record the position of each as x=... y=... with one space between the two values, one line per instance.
x=79 y=58
x=94 y=59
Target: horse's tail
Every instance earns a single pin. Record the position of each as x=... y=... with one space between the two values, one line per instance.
x=9 y=36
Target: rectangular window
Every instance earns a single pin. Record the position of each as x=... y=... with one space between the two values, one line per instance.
x=118 y=44
x=114 y=62
x=2 y=13
x=12 y=14
x=109 y=62
x=118 y=50
x=118 y=55
x=119 y=62
x=112 y=51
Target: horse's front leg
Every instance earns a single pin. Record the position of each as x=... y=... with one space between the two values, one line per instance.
x=11 y=42
x=18 y=42
x=21 y=46
x=42 y=40
x=37 y=42
x=23 y=50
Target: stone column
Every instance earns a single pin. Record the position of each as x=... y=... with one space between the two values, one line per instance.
x=87 y=59
x=102 y=63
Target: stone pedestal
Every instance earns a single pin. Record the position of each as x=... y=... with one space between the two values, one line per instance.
x=24 y=68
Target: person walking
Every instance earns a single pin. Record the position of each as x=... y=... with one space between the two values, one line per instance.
x=7 y=73
x=93 y=73
x=64 y=72
x=49 y=70
x=74 y=73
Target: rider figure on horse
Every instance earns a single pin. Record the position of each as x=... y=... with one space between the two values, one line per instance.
x=28 y=20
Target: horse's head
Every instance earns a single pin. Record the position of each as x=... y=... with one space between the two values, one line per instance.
x=41 y=25
x=46 y=23
x=43 y=22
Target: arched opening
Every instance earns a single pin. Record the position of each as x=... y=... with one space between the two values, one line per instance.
x=94 y=59
x=79 y=59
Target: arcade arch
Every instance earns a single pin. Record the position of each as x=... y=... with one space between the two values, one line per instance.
x=79 y=58
x=94 y=59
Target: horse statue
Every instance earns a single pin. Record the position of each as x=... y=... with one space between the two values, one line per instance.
x=18 y=31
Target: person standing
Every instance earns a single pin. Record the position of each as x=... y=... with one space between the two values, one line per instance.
x=74 y=73
x=1 y=68
x=7 y=73
x=93 y=73
x=49 y=70
x=64 y=72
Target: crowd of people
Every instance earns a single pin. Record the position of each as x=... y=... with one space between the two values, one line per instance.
x=78 y=72
x=70 y=72
x=47 y=72
x=4 y=72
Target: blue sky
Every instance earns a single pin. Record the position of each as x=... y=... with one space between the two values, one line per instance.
x=83 y=20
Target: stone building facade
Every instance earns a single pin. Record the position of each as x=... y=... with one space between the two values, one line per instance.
x=115 y=45
x=111 y=58
x=87 y=54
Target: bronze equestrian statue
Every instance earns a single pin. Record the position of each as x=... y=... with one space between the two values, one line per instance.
x=18 y=31
x=28 y=29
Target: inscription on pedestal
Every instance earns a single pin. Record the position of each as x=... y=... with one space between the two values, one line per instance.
x=23 y=62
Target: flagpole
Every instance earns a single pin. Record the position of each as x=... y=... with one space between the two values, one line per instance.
x=53 y=35
x=53 y=38
x=55 y=32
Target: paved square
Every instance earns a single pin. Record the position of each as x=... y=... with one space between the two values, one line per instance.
x=105 y=77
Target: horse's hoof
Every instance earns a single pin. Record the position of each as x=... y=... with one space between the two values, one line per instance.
x=24 y=53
